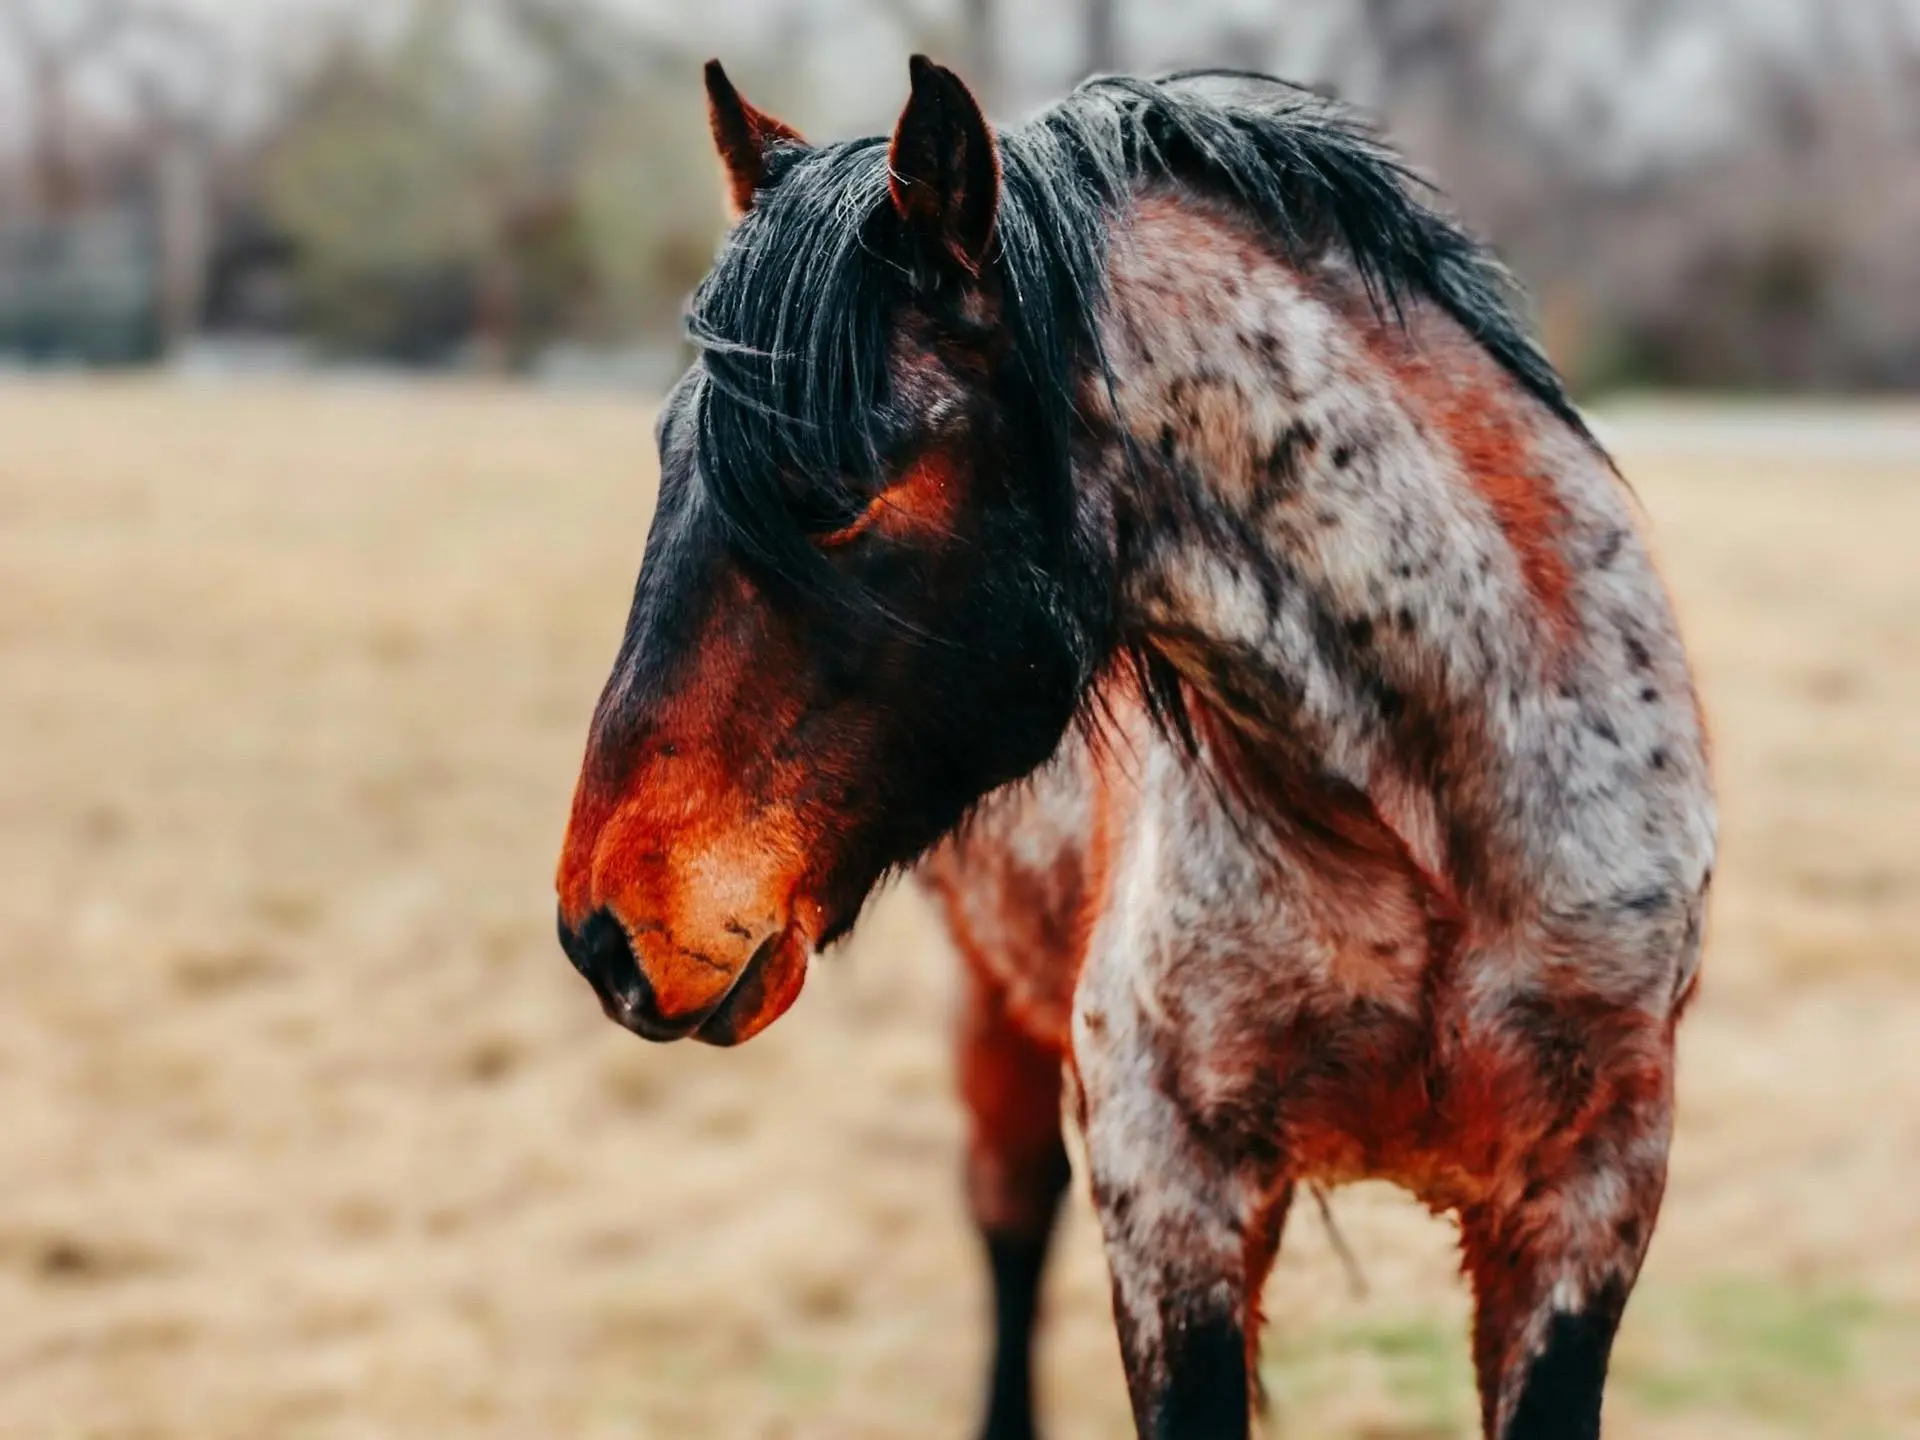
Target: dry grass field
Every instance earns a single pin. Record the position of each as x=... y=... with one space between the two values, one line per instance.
x=307 y=1129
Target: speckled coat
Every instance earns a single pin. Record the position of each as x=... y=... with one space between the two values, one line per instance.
x=1425 y=902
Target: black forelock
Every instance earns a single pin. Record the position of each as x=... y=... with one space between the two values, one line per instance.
x=793 y=324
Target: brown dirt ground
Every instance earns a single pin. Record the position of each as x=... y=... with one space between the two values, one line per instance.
x=307 y=1130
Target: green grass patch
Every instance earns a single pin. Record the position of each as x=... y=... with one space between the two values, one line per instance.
x=798 y=1377
x=1420 y=1364
x=1789 y=1354
x=1812 y=1360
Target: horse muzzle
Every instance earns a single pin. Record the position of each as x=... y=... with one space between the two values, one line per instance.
x=738 y=1005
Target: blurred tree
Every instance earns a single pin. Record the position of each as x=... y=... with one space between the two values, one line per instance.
x=980 y=50
x=55 y=44
x=1103 y=37
x=961 y=33
x=175 y=71
x=150 y=176
x=650 y=194
x=380 y=177
x=1698 y=192
x=443 y=197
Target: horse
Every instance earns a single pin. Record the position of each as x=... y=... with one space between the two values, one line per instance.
x=1153 y=526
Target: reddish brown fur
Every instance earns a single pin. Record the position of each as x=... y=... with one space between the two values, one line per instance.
x=742 y=135
x=1456 y=389
x=631 y=832
x=924 y=500
x=1509 y=1237
x=1467 y=1123
x=1010 y=1085
x=1489 y=1125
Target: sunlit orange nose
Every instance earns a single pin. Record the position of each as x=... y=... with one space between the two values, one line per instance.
x=674 y=898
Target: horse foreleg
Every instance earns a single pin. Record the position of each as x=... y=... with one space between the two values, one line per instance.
x=1183 y=1232
x=1552 y=1272
x=1016 y=1174
x=1263 y=1248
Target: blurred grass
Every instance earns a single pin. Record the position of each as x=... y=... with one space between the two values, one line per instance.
x=1419 y=1366
x=1791 y=1356
x=312 y=1133
x=1786 y=1356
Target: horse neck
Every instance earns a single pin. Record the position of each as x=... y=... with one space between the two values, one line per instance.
x=1350 y=536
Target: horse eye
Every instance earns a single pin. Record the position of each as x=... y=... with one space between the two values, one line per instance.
x=822 y=515
x=820 y=508
x=855 y=508
x=857 y=524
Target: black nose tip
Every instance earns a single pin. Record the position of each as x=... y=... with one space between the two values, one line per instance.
x=602 y=953
x=576 y=951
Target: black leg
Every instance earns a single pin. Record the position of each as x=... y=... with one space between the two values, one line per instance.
x=1551 y=1277
x=1018 y=1264
x=1016 y=1174
x=1177 y=1242
x=1560 y=1397
x=1205 y=1394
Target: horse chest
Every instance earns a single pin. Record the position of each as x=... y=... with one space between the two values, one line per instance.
x=1316 y=1057
x=1300 y=1003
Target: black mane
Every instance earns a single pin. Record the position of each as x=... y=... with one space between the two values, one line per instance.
x=793 y=407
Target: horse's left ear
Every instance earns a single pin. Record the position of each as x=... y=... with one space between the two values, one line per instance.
x=743 y=136
x=945 y=168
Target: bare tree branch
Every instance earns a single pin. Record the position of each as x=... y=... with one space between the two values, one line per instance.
x=980 y=47
x=100 y=24
x=1103 y=36
x=920 y=27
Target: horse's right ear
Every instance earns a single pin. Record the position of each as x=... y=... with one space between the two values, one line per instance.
x=944 y=168
x=743 y=136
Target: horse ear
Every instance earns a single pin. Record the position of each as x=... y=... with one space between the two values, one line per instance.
x=945 y=167
x=743 y=136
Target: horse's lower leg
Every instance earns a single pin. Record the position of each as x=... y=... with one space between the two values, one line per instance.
x=1183 y=1230
x=1263 y=1247
x=1551 y=1277
x=1016 y=1174
x=1177 y=1250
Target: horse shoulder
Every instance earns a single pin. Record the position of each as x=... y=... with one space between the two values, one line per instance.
x=1018 y=885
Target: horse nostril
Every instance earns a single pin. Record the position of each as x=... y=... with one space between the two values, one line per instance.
x=601 y=952
x=571 y=945
x=608 y=956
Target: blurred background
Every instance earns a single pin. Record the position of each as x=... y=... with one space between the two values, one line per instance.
x=1701 y=192
x=330 y=333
